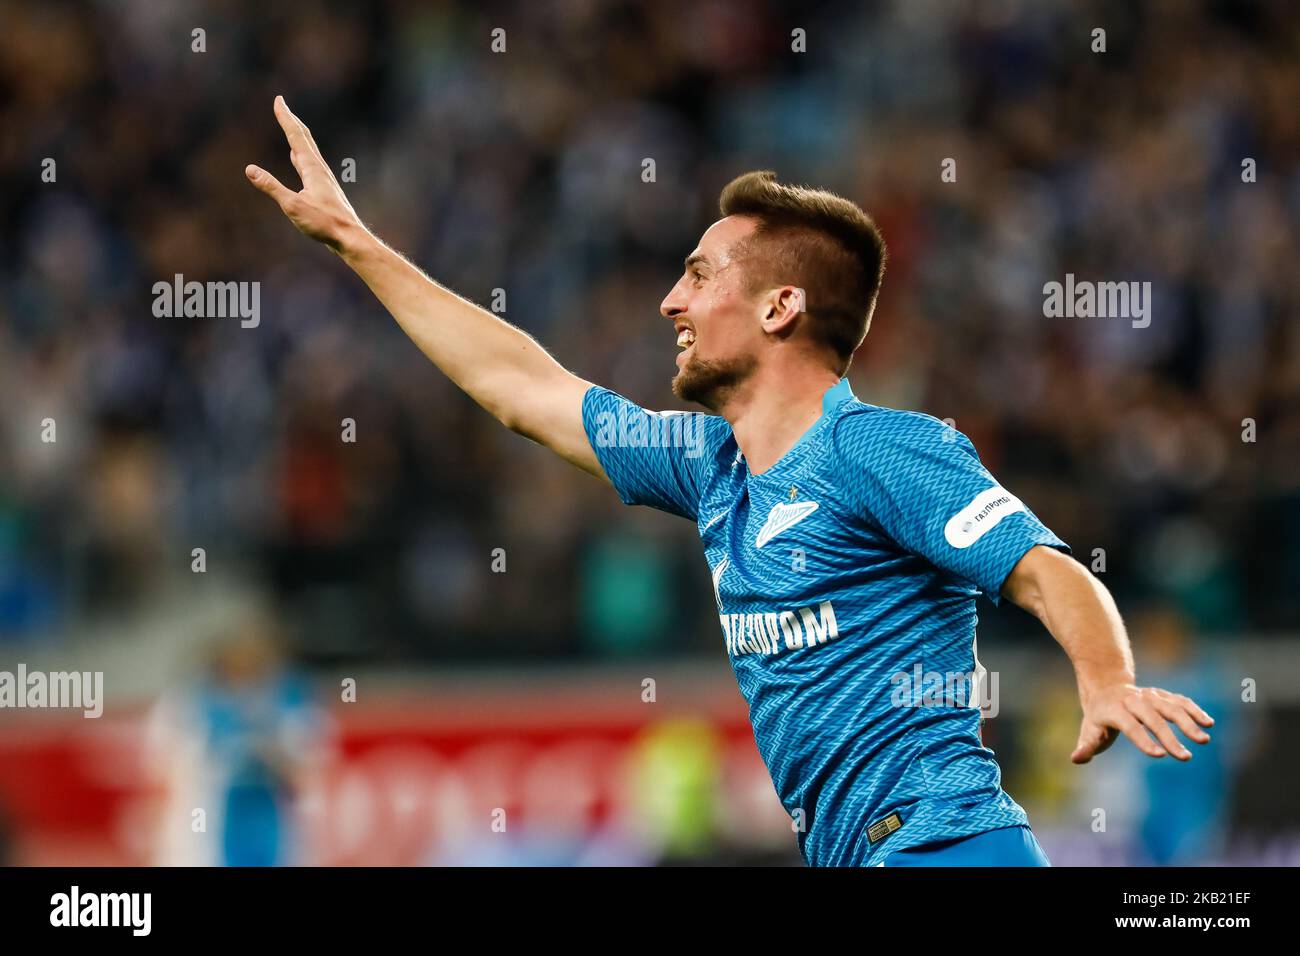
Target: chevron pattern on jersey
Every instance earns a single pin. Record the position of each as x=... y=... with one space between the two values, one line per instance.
x=851 y=633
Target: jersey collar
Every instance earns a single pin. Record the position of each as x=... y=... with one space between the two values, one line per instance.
x=839 y=392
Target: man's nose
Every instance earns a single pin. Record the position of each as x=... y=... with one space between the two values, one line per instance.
x=674 y=304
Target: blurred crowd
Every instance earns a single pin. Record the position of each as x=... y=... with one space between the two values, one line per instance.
x=1166 y=455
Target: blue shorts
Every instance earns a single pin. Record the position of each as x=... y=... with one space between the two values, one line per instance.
x=1006 y=846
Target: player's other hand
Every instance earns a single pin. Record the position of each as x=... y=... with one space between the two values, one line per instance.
x=1139 y=713
x=319 y=209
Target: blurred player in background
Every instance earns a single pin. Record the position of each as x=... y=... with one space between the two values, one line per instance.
x=899 y=526
x=235 y=745
x=1183 y=815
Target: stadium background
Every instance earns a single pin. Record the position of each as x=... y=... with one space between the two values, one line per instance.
x=519 y=696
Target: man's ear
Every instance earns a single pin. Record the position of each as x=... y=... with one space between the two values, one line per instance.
x=784 y=305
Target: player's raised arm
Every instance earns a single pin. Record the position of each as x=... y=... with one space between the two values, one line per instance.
x=1080 y=613
x=496 y=364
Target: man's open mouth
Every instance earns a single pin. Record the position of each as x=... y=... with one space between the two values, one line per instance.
x=685 y=342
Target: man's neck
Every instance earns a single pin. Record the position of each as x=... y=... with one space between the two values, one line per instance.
x=773 y=409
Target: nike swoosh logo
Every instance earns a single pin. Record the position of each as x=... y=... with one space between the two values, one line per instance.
x=782 y=518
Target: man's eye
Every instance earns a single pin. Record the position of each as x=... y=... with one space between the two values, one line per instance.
x=697 y=278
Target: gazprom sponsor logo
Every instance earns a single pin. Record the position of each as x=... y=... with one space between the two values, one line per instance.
x=774 y=632
x=981 y=516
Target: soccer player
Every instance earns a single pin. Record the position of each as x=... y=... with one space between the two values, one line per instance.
x=847 y=542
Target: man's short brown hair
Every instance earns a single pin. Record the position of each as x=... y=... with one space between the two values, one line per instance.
x=814 y=239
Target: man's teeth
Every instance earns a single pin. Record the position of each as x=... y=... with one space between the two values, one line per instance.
x=685 y=339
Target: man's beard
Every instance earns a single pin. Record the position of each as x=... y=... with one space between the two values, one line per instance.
x=711 y=383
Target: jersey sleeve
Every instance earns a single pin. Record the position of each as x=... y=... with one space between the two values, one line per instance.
x=651 y=458
x=922 y=482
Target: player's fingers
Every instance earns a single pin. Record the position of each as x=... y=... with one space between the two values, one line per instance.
x=1150 y=717
x=1194 y=709
x=290 y=124
x=306 y=155
x=303 y=132
x=269 y=184
x=1172 y=709
x=1132 y=728
x=1093 y=739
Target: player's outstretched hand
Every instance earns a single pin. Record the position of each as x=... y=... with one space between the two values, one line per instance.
x=319 y=209
x=1133 y=711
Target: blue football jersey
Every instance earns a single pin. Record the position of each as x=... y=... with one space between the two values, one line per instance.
x=846 y=576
